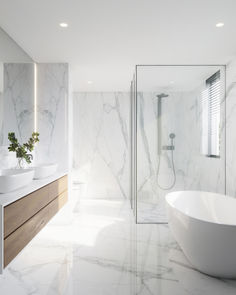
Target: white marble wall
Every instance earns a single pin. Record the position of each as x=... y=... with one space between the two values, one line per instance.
x=101 y=151
x=16 y=107
x=195 y=171
x=1 y=117
x=181 y=115
x=52 y=113
x=18 y=101
x=231 y=129
x=147 y=158
x=1 y=102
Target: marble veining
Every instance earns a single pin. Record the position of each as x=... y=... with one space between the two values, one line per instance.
x=101 y=158
x=17 y=107
x=1 y=117
x=230 y=129
x=18 y=101
x=94 y=247
x=52 y=117
x=181 y=115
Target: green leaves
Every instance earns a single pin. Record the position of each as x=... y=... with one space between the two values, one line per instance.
x=30 y=144
x=22 y=151
x=14 y=142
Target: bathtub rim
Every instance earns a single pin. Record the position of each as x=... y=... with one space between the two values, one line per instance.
x=189 y=215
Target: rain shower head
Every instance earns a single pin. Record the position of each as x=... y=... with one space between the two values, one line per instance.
x=162 y=95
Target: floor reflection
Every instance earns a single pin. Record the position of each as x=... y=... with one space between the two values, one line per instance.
x=94 y=247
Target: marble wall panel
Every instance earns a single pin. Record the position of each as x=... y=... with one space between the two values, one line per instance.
x=184 y=169
x=16 y=107
x=1 y=117
x=231 y=129
x=52 y=113
x=18 y=101
x=101 y=150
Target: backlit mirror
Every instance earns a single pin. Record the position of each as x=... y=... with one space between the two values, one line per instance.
x=16 y=94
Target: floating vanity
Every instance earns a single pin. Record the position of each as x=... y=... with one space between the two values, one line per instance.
x=23 y=213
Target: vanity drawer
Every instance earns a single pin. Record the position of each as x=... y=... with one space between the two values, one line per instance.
x=16 y=241
x=57 y=187
x=20 y=211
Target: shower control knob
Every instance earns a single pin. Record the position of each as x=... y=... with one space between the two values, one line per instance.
x=168 y=147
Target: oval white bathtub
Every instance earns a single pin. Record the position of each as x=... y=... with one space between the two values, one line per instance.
x=204 y=225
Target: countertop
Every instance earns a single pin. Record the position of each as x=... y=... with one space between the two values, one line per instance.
x=8 y=198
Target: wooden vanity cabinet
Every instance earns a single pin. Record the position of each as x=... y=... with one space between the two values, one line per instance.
x=24 y=218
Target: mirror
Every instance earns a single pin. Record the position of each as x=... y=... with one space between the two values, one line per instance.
x=16 y=95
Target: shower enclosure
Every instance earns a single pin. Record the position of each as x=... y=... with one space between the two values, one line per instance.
x=178 y=134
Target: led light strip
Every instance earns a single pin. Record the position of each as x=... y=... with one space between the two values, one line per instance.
x=35 y=97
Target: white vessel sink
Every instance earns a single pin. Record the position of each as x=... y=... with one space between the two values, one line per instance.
x=13 y=179
x=44 y=170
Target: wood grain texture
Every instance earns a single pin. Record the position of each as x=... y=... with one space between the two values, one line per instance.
x=20 y=211
x=57 y=187
x=1 y=239
x=16 y=241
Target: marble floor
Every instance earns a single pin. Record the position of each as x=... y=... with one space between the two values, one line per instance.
x=150 y=212
x=93 y=247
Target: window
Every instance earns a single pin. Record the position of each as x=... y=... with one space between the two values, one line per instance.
x=211 y=116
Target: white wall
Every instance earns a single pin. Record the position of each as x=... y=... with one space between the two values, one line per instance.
x=18 y=101
x=181 y=115
x=10 y=51
x=16 y=107
x=101 y=153
x=231 y=128
x=52 y=113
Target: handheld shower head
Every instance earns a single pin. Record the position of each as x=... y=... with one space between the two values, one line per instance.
x=172 y=135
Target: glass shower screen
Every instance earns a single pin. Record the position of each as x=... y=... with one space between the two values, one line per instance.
x=178 y=134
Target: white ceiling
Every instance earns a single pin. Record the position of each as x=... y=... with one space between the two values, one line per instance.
x=106 y=38
x=174 y=79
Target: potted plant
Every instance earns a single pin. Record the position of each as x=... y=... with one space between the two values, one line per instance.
x=23 y=151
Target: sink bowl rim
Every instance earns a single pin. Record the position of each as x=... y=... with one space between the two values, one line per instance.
x=16 y=172
x=44 y=165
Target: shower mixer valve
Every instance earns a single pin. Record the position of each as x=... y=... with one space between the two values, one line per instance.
x=168 y=147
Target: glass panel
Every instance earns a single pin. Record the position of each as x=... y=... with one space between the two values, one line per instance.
x=177 y=126
x=133 y=145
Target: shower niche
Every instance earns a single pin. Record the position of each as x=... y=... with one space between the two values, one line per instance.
x=178 y=135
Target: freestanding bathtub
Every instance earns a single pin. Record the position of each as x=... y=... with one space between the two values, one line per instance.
x=204 y=225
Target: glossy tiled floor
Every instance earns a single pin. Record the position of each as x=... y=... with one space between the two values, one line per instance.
x=98 y=250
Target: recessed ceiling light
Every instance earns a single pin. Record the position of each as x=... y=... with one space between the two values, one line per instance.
x=220 y=25
x=172 y=82
x=90 y=82
x=63 y=25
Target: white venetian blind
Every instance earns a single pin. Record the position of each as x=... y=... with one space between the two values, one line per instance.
x=211 y=116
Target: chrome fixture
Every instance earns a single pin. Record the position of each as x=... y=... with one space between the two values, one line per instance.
x=170 y=147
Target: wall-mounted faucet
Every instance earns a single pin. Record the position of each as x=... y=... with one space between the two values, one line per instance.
x=170 y=147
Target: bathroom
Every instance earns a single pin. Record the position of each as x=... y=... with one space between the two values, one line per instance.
x=125 y=114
